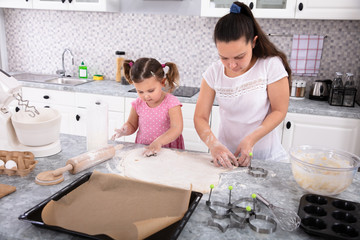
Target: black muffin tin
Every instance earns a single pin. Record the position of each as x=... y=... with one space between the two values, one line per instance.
x=329 y=217
x=171 y=232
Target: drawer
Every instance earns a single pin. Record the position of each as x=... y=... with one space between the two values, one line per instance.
x=114 y=103
x=48 y=96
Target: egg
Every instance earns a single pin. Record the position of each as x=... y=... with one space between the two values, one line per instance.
x=2 y=163
x=11 y=164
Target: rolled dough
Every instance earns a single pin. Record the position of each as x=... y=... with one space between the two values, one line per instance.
x=172 y=168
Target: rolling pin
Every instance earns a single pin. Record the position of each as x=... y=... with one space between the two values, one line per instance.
x=77 y=164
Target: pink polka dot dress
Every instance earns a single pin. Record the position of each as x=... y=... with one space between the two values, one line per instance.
x=153 y=122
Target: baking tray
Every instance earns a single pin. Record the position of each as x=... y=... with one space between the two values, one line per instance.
x=329 y=217
x=172 y=232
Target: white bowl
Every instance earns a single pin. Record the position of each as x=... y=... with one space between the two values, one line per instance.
x=321 y=170
x=43 y=129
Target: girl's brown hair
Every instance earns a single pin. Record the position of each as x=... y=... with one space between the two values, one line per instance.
x=149 y=67
x=233 y=26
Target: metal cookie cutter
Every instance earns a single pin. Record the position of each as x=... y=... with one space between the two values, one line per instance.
x=218 y=210
x=257 y=172
x=270 y=226
x=242 y=203
x=212 y=223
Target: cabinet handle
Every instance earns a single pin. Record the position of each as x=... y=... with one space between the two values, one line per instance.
x=70 y=1
x=288 y=125
x=17 y=109
x=46 y=97
x=301 y=6
x=63 y=1
x=251 y=5
x=46 y=106
x=77 y=117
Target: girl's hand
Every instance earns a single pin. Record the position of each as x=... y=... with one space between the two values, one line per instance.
x=120 y=132
x=152 y=149
x=222 y=156
x=243 y=150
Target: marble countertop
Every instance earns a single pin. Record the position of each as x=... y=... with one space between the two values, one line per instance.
x=279 y=187
x=113 y=88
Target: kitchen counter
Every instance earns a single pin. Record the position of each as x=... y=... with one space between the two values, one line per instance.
x=279 y=187
x=113 y=88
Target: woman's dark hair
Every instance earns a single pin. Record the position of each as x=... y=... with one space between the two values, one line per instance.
x=144 y=68
x=233 y=26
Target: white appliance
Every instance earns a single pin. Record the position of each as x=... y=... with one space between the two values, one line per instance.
x=9 y=91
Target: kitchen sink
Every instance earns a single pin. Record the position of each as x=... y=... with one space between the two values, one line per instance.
x=68 y=81
x=51 y=79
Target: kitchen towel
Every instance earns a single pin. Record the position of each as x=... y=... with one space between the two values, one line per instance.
x=97 y=125
x=306 y=55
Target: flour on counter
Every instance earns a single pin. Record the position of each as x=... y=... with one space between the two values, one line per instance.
x=172 y=168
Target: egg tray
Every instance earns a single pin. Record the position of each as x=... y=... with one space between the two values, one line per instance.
x=24 y=160
x=329 y=217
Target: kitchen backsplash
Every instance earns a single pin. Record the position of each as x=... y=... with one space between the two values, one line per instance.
x=36 y=40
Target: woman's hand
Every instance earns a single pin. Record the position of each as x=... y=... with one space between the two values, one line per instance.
x=152 y=149
x=243 y=152
x=222 y=156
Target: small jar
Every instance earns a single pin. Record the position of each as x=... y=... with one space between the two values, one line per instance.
x=293 y=88
x=120 y=58
x=302 y=88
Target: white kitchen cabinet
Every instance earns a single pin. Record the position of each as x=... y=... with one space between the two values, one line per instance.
x=259 y=8
x=73 y=108
x=78 y=5
x=116 y=111
x=128 y=101
x=331 y=132
x=191 y=138
x=62 y=101
x=290 y=9
x=16 y=3
x=328 y=9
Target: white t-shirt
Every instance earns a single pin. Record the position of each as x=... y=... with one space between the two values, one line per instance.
x=244 y=104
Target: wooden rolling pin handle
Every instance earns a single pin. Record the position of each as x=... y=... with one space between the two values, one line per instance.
x=60 y=171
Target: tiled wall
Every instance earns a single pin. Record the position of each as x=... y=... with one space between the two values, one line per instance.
x=36 y=40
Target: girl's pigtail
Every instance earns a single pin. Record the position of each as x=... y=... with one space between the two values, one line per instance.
x=127 y=67
x=172 y=76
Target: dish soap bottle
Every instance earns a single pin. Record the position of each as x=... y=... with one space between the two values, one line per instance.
x=83 y=71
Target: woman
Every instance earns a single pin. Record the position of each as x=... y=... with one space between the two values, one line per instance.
x=251 y=85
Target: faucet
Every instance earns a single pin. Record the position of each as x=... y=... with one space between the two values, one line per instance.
x=62 y=71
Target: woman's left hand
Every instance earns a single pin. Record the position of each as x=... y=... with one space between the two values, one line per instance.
x=152 y=149
x=243 y=152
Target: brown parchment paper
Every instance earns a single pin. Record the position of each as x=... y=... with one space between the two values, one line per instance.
x=117 y=206
x=6 y=189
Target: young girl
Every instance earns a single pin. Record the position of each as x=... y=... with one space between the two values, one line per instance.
x=250 y=82
x=155 y=112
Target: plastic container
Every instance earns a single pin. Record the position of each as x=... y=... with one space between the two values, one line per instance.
x=120 y=58
x=330 y=218
x=321 y=170
x=173 y=231
x=83 y=71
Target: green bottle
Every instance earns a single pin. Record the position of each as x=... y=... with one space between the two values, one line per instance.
x=83 y=71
